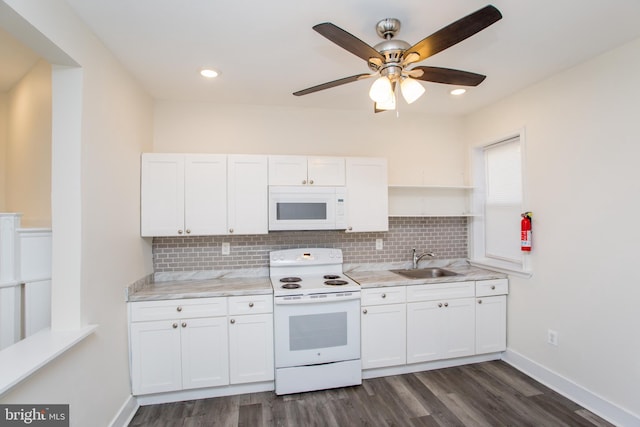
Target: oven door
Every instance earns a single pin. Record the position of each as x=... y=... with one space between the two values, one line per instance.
x=308 y=332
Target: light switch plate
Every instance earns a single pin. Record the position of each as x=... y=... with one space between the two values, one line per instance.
x=226 y=248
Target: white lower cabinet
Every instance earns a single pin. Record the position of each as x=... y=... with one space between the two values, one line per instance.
x=384 y=337
x=491 y=316
x=199 y=342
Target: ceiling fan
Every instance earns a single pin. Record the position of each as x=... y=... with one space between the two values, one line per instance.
x=391 y=59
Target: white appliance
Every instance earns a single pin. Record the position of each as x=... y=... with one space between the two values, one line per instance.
x=307 y=208
x=316 y=321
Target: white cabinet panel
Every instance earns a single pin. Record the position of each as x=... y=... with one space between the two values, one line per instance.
x=384 y=336
x=328 y=171
x=367 y=194
x=491 y=324
x=306 y=170
x=204 y=352
x=162 y=194
x=247 y=195
x=251 y=348
x=204 y=194
x=379 y=296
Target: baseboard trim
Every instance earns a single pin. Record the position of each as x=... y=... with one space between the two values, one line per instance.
x=589 y=400
x=126 y=413
x=204 y=393
x=427 y=366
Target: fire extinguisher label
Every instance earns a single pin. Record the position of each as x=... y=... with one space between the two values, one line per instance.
x=525 y=240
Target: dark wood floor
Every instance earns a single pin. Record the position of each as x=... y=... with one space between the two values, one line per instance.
x=485 y=394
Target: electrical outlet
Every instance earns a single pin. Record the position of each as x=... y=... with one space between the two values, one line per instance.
x=226 y=248
x=552 y=337
x=379 y=244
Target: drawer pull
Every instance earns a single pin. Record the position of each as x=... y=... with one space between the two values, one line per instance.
x=178 y=309
x=439 y=304
x=384 y=295
x=446 y=304
x=250 y=304
x=364 y=311
x=184 y=324
x=479 y=301
x=232 y=321
x=175 y=325
x=493 y=287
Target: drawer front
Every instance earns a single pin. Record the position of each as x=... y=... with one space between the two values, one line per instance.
x=438 y=291
x=382 y=296
x=178 y=309
x=486 y=288
x=251 y=304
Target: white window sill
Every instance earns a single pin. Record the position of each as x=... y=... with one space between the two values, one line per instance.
x=25 y=357
x=501 y=267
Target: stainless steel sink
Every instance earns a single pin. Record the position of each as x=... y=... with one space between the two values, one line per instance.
x=425 y=273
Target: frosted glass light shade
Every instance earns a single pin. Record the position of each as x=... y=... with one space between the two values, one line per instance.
x=411 y=90
x=388 y=104
x=381 y=90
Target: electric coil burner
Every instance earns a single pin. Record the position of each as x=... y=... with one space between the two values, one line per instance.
x=316 y=321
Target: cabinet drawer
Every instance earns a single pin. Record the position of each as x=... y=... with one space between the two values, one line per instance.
x=178 y=309
x=251 y=304
x=492 y=287
x=439 y=291
x=381 y=296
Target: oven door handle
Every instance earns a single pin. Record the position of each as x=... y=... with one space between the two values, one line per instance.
x=307 y=299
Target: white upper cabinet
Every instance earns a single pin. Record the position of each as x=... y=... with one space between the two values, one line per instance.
x=367 y=194
x=247 y=195
x=306 y=170
x=203 y=194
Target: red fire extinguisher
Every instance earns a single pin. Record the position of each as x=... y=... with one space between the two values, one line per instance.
x=525 y=232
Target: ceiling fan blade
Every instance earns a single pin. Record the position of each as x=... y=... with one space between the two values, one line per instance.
x=447 y=76
x=334 y=83
x=347 y=41
x=452 y=34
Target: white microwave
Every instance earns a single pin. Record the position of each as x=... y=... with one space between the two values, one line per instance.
x=307 y=208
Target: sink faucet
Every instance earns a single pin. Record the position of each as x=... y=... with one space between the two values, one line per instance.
x=417 y=257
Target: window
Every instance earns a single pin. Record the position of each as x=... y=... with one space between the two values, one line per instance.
x=495 y=232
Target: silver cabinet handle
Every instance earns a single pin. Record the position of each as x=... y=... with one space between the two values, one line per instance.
x=446 y=304
x=493 y=287
x=304 y=181
x=179 y=231
x=250 y=304
x=232 y=321
x=479 y=301
x=175 y=325
x=231 y=230
x=439 y=304
x=184 y=324
x=349 y=228
x=188 y=231
x=364 y=311
x=178 y=308
x=310 y=181
x=384 y=295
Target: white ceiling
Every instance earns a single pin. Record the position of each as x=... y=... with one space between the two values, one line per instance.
x=266 y=50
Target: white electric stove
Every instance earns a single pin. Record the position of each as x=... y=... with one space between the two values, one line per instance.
x=316 y=321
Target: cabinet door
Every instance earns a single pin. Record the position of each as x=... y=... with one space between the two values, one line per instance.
x=367 y=194
x=205 y=352
x=384 y=336
x=205 y=194
x=162 y=195
x=328 y=171
x=491 y=324
x=287 y=170
x=248 y=211
x=155 y=357
x=424 y=331
x=459 y=327
x=251 y=348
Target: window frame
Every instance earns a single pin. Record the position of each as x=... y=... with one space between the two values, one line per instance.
x=477 y=226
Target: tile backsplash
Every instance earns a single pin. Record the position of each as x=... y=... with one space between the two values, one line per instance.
x=446 y=236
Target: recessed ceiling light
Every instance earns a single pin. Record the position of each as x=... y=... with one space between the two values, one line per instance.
x=209 y=73
x=458 y=91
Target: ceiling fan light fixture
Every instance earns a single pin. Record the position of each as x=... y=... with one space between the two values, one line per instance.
x=411 y=90
x=389 y=104
x=381 y=90
x=209 y=73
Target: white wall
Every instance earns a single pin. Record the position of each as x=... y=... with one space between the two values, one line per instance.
x=116 y=127
x=582 y=184
x=420 y=149
x=4 y=104
x=28 y=148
